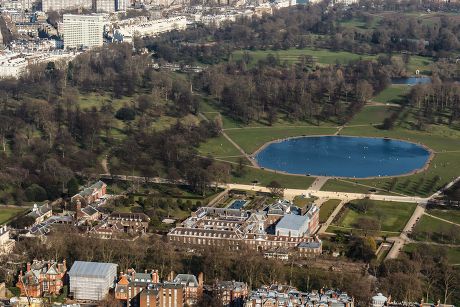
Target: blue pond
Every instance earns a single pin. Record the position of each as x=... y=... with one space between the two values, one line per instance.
x=411 y=80
x=340 y=156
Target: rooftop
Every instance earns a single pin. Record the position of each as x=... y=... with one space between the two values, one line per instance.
x=91 y=269
x=292 y=221
x=186 y=279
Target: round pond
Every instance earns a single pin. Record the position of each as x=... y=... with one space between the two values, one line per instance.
x=340 y=156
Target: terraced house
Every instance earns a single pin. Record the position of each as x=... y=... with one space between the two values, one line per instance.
x=279 y=225
x=145 y=289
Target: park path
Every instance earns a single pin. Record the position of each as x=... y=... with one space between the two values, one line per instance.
x=318 y=183
x=403 y=239
x=329 y=220
x=253 y=162
x=105 y=165
x=382 y=104
x=225 y=135
x=339 y=129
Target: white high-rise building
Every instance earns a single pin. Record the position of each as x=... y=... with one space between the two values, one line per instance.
x=58 y=5
x=105 y=6
x=83 y=31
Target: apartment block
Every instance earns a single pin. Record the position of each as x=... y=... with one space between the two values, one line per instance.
x=83 y=31
x=59 y=5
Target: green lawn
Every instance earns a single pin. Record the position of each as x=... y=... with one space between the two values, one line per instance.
x=392 y=215
x=96 y=100
x=392 y=94
x=433 y=230
x=450 y=215
x=337 y=185
x=372 y=115
x=327 y=208
x=322 y=56
x=218 y=146
x=360 y=24
x=7 y=213
x=251 y=139
x=438 y=138
x=423 y=64
x=265 y=177
x=328 y=57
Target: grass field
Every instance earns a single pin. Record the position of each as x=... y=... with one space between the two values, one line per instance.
x=265 y=177
x=372 y=115
x=433 y=230
x=322 y=56
x=392 y=94
x=449 y=215
x=438 y=138
x=327 y=208
x=330 y=57
x=94 y=100
x=360 y=24
x=218 y=147
x=392 y=215
x=250 y=139
x=7 y=213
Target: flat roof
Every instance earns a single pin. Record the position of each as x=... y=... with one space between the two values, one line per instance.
x=292 y=221
x=91 y=269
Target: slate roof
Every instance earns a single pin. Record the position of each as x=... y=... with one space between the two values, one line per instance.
x=38 y=211
x=89 y=210
x=41 y=267
x=186 y=279
x=313 y=244
x=89 y=190
x=130 y=216
x=91 y=269
x=292 y=221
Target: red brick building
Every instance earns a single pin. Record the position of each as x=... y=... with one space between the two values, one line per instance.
x=42 y=278
x=146 y=290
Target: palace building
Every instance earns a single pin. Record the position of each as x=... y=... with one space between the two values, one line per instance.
x=279 y=225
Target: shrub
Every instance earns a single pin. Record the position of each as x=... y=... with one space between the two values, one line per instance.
x=125 y=113
x=36 y=193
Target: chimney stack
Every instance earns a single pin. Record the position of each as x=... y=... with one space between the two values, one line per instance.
x=200 y=279
x=155 y=277
x=28 y=266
